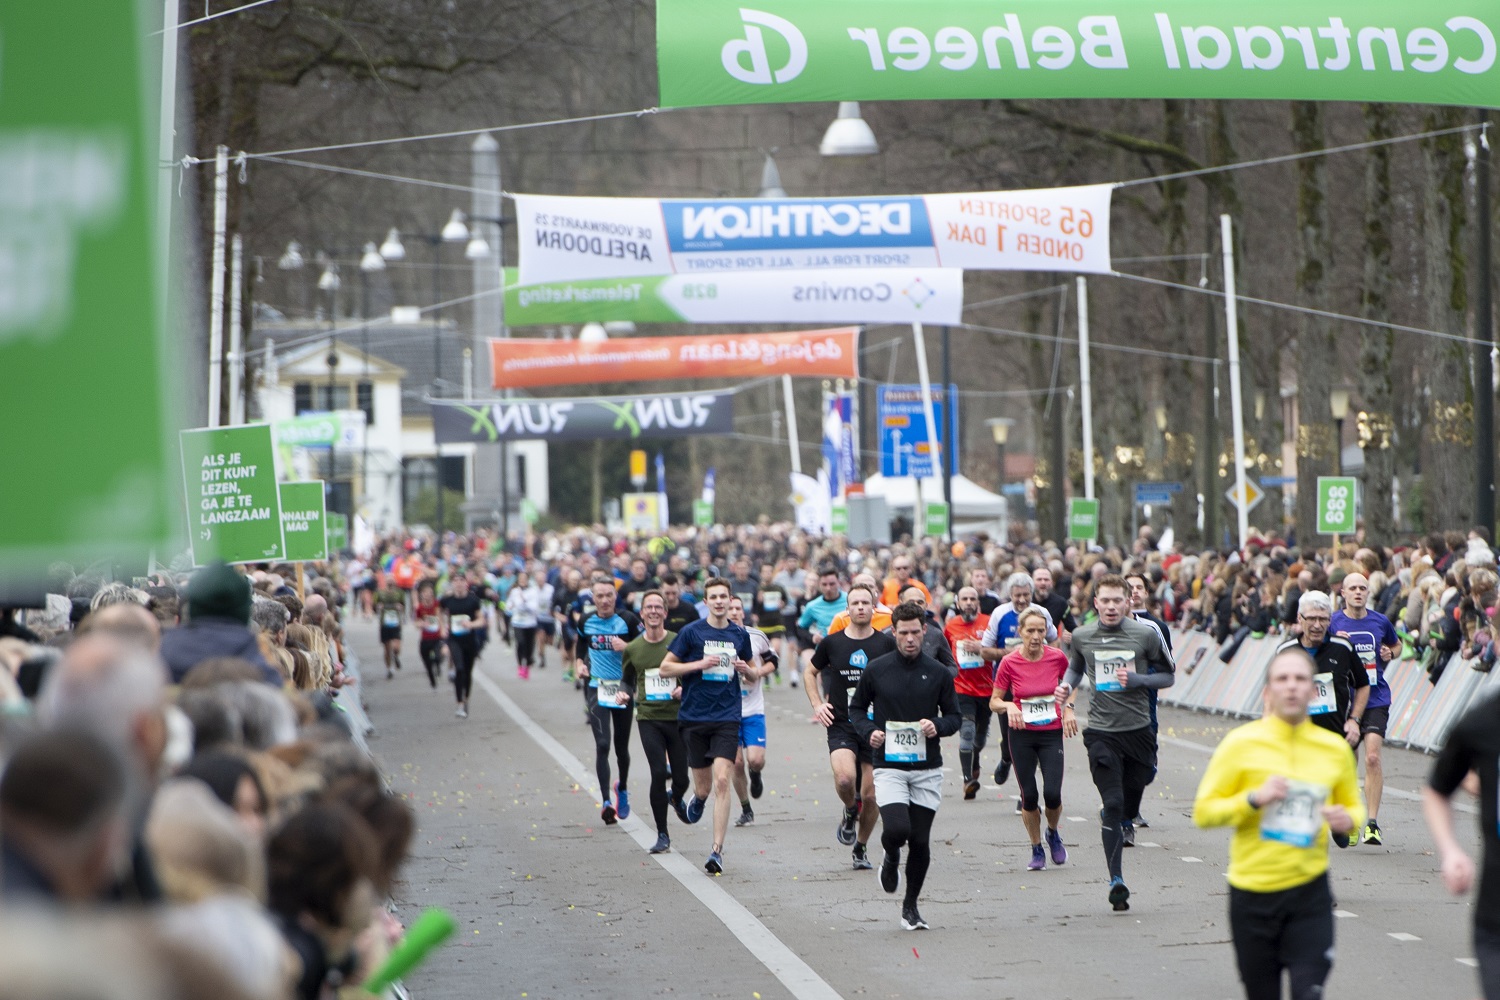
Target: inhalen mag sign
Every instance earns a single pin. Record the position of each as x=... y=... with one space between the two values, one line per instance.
x=767 y=51
x=1056 y=229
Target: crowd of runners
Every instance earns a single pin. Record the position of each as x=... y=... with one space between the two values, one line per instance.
x=897 y=650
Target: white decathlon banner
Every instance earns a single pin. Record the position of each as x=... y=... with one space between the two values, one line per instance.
x=1051 y=229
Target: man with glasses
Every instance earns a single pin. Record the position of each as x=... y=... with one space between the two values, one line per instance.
x=901 y=578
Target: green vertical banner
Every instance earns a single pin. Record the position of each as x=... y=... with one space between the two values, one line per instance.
x=233 y=504
x=838 y=519
x=529 y=513
x=935 y=518
x=703 y=513
x=338 y=532
x=1336 y=508
x=304 y=520
x=1083 y=519
x=89 y=449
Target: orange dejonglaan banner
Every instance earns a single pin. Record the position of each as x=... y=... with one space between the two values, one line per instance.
x=520 y=364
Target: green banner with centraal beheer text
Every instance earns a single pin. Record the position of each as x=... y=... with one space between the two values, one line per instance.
x=775 y=51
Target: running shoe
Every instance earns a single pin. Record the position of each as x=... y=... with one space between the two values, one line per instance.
x=971 y=789
x=662 y=846
x=845 y=831
x=890 y=871
x=1140 y=821
x=911 y=920
x=1059 y=852
x=622 y=798
x=523 y=672
x=1372 y=833
x=608 y=815
x=715 y=864
x=462 y=713
x=1119 y=895
x=1038 y=858
x=757 y=786
x=1002 y=772
x=679 y=807
x=398 y=663
x=861 y=859
x=390 y=674
x=746 y=818
x=1127 y=835
x=693 y=809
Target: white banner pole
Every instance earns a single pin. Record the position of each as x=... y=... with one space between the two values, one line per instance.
x=216 y=302
x=934 y=439
x=236 y=333
x=1086 y=387
x=1236 y=404
x=791 y=424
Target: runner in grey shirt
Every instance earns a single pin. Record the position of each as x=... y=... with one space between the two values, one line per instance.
x=1123 y=660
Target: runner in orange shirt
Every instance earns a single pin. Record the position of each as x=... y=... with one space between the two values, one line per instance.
x=974 y=684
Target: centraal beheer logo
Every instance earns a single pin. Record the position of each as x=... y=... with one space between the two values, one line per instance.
x=752 y=49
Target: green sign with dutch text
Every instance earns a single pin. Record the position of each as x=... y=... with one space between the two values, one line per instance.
x=935 y=518
x=1083 y=519
x=88 y=450
x=712 y=52
x=233 y=504
x=703 y=513
x=838 y=519
x=338 y=532
x=303 y=521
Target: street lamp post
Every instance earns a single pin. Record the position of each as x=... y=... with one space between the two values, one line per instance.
x=1000 y=431
x=370 y=262
x=328 y=282
x=1338 y=407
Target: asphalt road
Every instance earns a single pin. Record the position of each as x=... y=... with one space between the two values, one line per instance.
x=551 y=903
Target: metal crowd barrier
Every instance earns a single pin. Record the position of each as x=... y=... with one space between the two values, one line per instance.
x=1421 y=713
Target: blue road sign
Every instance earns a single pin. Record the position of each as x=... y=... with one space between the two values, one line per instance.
x=904 y=448
x=1155 y=494
x=1271 y=481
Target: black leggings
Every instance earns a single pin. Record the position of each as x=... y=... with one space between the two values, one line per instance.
x=1122 y=765
x=1291 y=930
x=432 y=658
x=600 y=721
x=462 y=654
x=525 y=644
x=667 y=758
x=973 y=732
x=1033 y=747
x=909 y=826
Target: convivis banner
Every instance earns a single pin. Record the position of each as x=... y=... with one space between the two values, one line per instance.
x=672 y=415
x=763 y=51
x=1054 y=229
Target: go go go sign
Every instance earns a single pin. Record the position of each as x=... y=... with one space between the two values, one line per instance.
x=1336 y=505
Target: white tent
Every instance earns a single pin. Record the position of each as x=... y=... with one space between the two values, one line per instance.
x=974 y=507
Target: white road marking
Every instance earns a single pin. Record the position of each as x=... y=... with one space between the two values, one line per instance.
x=1403 y=936
x=1344 y=914
x=796 y=975
x=1472 y=963
x=1192 y=860
x=1076 y=819
x=1146 y=843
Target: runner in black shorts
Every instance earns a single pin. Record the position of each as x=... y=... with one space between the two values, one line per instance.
x=462 y=614
x=390 y=608
x=837 y=664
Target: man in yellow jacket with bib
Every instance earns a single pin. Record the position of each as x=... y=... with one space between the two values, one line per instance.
x=1283 y=783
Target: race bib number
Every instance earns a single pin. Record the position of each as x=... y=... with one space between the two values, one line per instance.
x=1013 y=642
x=430 y=623
x=609 y=694
x=1296 y=819
x=1106 y=662
x=968 y=657
x=770 y=601
x=723 y=655
x=391 y=619
x=904 y=743
x=1039 y=711
x=459 y=625
x=1323 y=697
x=658 y=688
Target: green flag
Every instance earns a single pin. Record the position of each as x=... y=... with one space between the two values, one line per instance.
x=303 y=521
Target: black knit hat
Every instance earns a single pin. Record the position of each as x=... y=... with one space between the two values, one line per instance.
x=217 y=591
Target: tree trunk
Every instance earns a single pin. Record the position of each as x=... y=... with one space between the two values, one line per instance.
x=1375 y=421
x=1448 y=416
x=1317 y=449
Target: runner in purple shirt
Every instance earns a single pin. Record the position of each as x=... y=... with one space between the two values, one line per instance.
x=1374 y=638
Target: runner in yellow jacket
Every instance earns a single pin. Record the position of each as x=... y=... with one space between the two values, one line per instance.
x=1283 y=783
